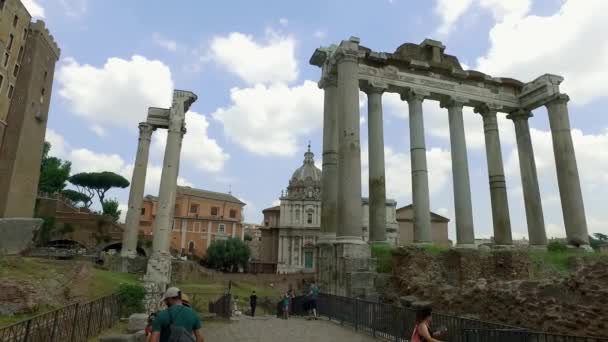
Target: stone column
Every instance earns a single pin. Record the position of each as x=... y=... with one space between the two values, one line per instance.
x=377 y=187
x=420 y=179
x=349 y=164
x=168 y=186
x=136 y=192
x=496 y=173
x=529 y=179
x=465 y=234
x=567 y=172
x=329 y=200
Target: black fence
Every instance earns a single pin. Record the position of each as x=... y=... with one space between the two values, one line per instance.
x=73 y=323
x=397 y=323
x=222 y=306
x=483 y=335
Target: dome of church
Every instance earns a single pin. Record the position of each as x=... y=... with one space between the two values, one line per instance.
x=308 y=171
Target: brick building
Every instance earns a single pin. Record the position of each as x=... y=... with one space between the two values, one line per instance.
x=28 y=54
x=200 y=217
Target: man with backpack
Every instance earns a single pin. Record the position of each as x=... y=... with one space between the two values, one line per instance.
x=178 y=323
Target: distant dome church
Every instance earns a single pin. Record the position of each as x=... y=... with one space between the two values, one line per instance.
x=290 y=230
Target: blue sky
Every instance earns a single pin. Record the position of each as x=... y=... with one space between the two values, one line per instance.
x=259 y=104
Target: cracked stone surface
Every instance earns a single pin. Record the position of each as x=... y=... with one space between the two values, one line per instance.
x=270 y=328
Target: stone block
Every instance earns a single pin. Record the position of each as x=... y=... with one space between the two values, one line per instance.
x=17 y=234
x=137 y=322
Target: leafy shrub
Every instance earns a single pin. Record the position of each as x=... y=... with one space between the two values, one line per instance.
x=384 y=257
x=131 y=298
x=228 y=255
x=557 y=246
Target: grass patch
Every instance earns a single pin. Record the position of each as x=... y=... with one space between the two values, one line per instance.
x=384 y=257
x=106 y=282
x=560 y=261
x=434 y=249
x=201 y=293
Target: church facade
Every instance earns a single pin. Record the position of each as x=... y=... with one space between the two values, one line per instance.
x=291 y=229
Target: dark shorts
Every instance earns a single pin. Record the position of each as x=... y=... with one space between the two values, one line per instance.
x=313 y=303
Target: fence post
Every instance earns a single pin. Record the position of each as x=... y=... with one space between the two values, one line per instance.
x=74 y=323
x=89 y=319
x=54 y=325
x=103 y=307
x=27 y=330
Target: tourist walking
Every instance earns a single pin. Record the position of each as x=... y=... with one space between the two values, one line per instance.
x=253 y=302
x=314 y=295
x=285 y=304
x=422 y=330
x=178 y=322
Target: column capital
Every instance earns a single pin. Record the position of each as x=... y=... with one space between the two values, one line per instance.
x=453 y=101
x=371 y=87
x=146 y=129
x=328 y=80
x=409 y=94
x=559 y=98
x=520 y=114
x=487 y=110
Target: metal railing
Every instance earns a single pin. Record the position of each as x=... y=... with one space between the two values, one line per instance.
x=397 y=323
x=484 y=335
x=73 y=323
x=222 y=306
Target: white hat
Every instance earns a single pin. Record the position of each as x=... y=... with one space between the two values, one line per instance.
x=171 y=293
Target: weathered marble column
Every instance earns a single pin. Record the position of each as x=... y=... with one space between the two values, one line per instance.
x=529 y=180
x=377 y=188
x=567 y=172
x=465 y=234
x=349 y=152
x=420 y=178
x=168 y=187
x=329 y=200
x=496 y=173
x=136 y=192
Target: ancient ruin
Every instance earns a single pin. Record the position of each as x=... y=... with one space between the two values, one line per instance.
x=419 y=72
x=158 y=273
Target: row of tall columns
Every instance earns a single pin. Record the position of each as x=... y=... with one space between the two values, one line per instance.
x=136 y=191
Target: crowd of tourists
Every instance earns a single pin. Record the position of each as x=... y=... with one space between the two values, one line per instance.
x=179 y=322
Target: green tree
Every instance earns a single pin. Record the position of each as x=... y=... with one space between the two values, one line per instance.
x=54 y=172
x=110 y=208
x=90 y=183
x=228 y=255
x=77 y=197
x=601 y=237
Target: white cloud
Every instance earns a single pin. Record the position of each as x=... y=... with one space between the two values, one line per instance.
x=98 y=130
x=34 y=8
x=123 y=212
x=165 y=43
x=198 y=149
x=268 y=120
x=119 y=93
x=85 y=160
x=255 y=62
x=74 y=8
x=284 y=21
x=398 y=175
x=450 y=11
x=321 y=34
x=577 y=48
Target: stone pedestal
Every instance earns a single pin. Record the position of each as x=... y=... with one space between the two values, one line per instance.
x=326 y=267
x=156 y=279
x=355 y=271
x=17 y=234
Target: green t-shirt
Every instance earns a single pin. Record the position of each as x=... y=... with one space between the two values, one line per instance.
x=181 y=316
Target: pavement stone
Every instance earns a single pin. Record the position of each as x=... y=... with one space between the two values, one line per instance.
x=270 y=328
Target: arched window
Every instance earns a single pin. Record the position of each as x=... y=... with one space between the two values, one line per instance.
x=297 y=215
x=191 y=247
x=309 y=219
